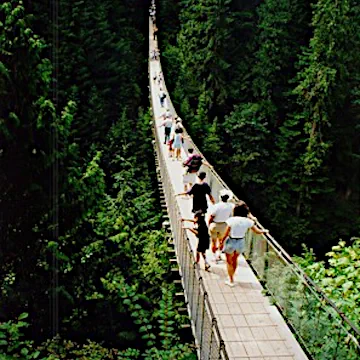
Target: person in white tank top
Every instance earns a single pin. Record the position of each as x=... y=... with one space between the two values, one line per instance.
x=237 y=226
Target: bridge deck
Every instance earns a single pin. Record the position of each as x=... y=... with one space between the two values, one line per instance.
x=250 y=327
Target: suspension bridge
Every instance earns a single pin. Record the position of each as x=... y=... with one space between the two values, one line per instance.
x=275 y=312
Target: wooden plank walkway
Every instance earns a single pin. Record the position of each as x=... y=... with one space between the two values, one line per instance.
x=251 y=328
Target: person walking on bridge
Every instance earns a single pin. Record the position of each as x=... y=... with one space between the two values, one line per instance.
x=200 y=191
x=178 y=124
x=202 y=233
x=166 y=115
x=177 y=144
x=162 y=95
x=193 y=164
x=234 y=237
x=217 y=221
x=160 y=77
x=167 y=123
x=155 y=32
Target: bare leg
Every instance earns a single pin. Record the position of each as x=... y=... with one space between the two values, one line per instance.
x=197 y=257
x=214 y=245
x=221 y=245
x=207 y=266
x=235 y=259
x=229 y=263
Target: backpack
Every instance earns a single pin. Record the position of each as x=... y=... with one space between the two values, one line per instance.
x=195 y=163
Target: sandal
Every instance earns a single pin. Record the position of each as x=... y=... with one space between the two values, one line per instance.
x=207 y=267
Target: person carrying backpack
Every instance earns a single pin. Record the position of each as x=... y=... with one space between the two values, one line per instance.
x=193 y=164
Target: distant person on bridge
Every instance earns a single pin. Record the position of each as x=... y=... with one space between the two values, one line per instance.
x=193 y=164
x=178 y=124
x=162 y=96
x=153 y=55
x=199 y=192
x=171 y=142
x=189 y=177
x=167 y=123
x=178 y=142
x=166 y=115
x=202 y=233
x=160 y=78
x=217 y=222
x=155 y=32
x=234 y=237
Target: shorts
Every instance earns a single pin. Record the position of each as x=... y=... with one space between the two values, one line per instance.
x=203 y=244
x=189 y=178
x=232 y=245
x=217 y=230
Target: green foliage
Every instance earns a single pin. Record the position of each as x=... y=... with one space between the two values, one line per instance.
x=338 y=276
x=248 y=128
x=79 y=185
x=11 y=342
x=324 y=73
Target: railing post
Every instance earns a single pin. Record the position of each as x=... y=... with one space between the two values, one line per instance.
x=221 y=349
x=266 y=262
x=202 y=320
x=213 y=326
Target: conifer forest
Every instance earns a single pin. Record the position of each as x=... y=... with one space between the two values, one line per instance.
x=269 y=90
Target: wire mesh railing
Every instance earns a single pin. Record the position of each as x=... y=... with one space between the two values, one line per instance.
x=323 y=330
x=320 y=327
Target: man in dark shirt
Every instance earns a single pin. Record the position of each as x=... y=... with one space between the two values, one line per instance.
x=199 y=192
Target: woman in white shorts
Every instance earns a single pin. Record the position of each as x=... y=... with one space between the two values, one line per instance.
x=237 y=226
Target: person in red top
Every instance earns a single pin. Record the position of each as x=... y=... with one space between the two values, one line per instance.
x=193 y=164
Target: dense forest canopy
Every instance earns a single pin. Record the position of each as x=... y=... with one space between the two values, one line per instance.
x=80 y=215
x=272 y=88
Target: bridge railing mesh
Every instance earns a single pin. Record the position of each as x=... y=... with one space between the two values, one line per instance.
x=321 y=328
